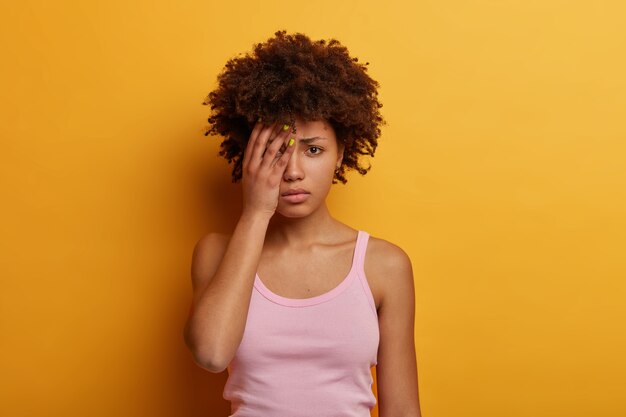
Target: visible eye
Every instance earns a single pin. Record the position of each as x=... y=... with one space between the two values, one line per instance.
x=316 y=147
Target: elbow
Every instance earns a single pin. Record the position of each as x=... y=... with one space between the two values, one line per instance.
x=211 y=366
x=204 y=358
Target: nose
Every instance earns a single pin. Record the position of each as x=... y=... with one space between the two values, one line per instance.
x=293 y=170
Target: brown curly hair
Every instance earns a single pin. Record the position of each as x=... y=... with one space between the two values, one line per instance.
x=289 y=76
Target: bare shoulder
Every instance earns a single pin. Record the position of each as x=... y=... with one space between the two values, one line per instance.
x=388 y=269
x=207 y=255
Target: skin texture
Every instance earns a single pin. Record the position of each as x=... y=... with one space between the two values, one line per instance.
x=283 y=240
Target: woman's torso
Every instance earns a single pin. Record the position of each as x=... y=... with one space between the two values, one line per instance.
x=311 y=333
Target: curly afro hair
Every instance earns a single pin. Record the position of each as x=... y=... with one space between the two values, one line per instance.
x=292 y=76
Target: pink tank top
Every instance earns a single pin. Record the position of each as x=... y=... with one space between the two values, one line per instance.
x=308 y=356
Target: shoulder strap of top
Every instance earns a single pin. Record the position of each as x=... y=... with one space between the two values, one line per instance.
x=359 y=251
x=360 y=269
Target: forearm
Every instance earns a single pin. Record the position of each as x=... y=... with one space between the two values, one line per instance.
x=219 y=314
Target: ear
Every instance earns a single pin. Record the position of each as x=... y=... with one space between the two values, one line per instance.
x=340 y=149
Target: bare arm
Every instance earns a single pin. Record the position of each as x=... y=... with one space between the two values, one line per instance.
x=223 y=280
x=396 y=371
x=220 y=307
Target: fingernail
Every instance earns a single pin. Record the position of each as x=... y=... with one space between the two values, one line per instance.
x=291 y=141
x=285 y=127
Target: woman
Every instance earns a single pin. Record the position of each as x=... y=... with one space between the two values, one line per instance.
x=297 y=305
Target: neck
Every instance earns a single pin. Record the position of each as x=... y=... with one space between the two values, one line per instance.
x=300 y=232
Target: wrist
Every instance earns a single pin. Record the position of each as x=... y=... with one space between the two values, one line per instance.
x=252 y=218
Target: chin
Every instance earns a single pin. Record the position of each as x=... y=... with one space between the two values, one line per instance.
x=292 y=211
x=292 y=214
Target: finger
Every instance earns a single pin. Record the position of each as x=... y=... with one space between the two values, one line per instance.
x=281 y=162
x=276 y=130
x=250 y=145
x=259 y=145
x=277 y=143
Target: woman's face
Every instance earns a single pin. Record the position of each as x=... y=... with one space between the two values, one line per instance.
x=311 y=167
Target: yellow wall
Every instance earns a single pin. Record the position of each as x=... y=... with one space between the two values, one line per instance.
x=501 y=173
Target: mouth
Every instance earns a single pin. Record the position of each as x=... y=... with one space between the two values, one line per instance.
x=295 y=198
x=294 y=192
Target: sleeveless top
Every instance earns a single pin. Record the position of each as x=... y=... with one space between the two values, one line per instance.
x=304 y=357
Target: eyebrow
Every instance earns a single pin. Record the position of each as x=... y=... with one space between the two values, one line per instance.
x=309 y=140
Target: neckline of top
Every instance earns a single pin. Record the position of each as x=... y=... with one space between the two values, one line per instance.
x=303 y=302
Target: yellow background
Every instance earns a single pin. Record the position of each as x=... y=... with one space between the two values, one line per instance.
x=501 y=173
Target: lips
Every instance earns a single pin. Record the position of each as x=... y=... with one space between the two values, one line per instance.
x=295 y=191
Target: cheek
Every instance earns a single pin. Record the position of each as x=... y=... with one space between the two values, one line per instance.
x=322 y=170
